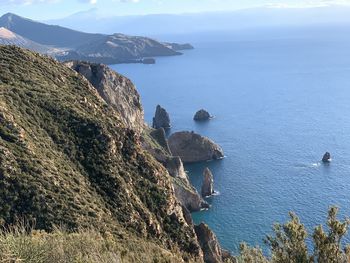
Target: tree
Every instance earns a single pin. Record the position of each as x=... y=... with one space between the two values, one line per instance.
x=288 y=245
x=328 y=245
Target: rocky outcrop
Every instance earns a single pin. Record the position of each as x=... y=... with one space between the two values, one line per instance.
x=155 y=142
x=160 y=137
x=161 y=119
x=202 y=115
x=327 y=157
x=188 y=196
x=208 y=183
x=192 y=147
x=209 y=244
x=116 y=90
x=179 y=47
x=175 y=167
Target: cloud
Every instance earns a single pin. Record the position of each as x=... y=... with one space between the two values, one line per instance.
x=25 y=2
x=308 y=3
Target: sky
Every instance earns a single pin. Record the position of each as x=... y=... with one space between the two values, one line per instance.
x=54 y=9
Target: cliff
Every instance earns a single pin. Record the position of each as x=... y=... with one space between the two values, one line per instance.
x=68 y=159
x=117 y=90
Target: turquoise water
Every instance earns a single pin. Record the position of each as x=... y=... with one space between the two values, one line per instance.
x=279 y=104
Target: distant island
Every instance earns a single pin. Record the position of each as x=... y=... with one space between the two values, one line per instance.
x=66 y=44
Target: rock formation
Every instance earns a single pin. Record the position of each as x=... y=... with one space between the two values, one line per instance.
x=188 y=196
x=208 y=183
x=117 y=90
x=202 y=115
x=161 y=119
x=209 y=244
x=155 y=142
x=192 y=147
x=326 y=157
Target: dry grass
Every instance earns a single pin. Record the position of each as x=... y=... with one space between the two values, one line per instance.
x=20 y=244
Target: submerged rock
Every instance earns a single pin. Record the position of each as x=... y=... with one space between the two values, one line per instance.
x=192 y=147
x=208 y=183
x=209 y=244
x=202 y=115
x=161 y=119
x=326 y=157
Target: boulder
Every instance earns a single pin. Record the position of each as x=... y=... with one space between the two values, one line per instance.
x=192 y=147
x=202 y=115
x=326 y=157
x=209 y=244
x=208 y=183
x=161 y=119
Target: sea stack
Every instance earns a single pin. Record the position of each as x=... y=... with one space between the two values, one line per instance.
x=326 y=157
x=208 y=183
x=202 y=115
x=192 y=147
x=161 y=119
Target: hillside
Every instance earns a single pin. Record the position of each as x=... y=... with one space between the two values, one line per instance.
x=67 y=159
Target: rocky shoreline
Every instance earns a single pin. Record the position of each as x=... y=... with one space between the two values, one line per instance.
x=120 y=93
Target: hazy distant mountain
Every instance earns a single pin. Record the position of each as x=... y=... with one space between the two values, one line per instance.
x=7 y=37
x=109 y=49
x=46 y=34
x=165 y=24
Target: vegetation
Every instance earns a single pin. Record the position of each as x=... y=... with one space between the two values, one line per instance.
x=22 y=244
x=288 y=244
x=66 y=159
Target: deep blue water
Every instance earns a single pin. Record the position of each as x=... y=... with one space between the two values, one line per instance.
x=279 y=104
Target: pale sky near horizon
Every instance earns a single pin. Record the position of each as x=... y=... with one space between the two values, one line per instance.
x=52 y=9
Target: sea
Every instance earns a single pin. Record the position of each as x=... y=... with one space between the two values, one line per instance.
x=280 y=99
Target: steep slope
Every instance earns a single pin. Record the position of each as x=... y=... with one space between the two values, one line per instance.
x=9 y=38
x=66 y=158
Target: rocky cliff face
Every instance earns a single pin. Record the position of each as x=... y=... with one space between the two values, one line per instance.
x=117 y=90
x=209 y=244
x=192 y=147
x=66 y=158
